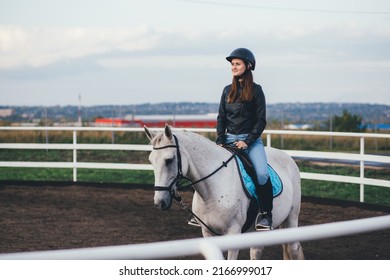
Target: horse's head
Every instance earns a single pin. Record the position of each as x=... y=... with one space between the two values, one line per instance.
x=166 y=161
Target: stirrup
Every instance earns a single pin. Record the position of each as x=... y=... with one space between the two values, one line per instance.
x=263 y=222
x=193 y=222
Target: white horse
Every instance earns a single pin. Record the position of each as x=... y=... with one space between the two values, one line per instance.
x=219 y=200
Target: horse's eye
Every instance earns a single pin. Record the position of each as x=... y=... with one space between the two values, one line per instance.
x=168 y=161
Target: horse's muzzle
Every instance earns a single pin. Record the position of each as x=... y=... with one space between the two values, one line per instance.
x=163 y=205
x=163 y=200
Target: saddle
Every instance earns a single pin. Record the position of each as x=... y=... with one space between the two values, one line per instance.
x=254 y=203
x=244 y=157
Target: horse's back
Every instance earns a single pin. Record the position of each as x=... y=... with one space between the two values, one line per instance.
x=282 y=163
x=288 y=203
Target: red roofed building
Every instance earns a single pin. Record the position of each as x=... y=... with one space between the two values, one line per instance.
x=180 y=121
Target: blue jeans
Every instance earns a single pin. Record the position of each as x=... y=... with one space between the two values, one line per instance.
x=256 y=154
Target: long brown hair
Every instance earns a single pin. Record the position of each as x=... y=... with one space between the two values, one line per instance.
x=247 y=88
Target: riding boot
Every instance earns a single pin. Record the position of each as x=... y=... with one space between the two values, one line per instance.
x=264 y=217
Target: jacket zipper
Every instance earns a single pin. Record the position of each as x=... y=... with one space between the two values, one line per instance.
x=239 y=118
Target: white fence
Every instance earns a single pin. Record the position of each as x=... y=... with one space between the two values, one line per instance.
x=361 y=157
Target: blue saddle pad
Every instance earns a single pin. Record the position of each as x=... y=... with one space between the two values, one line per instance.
x=277 y=185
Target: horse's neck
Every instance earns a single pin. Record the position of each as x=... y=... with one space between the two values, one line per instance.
x=201 y=152
x=204 y=157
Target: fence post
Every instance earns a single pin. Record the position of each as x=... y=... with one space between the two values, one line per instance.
x=362 y=169
x=74 y=156
x=269 y=140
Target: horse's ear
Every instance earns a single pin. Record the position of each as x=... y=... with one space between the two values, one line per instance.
x=168 y=131
x=150 y=134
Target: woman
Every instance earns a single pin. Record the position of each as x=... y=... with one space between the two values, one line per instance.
x=241 y=121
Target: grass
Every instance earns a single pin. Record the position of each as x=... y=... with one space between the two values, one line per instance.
x=346 y=191
x=67 y=156
x=335 y=190
x=83 y=175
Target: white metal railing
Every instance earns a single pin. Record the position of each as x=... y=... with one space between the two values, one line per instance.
x=210 y=248
x=75 y=146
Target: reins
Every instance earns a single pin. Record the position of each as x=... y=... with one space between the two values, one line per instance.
x=224 y=164
x=180 y=176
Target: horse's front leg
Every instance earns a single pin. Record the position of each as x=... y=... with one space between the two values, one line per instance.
x=232 y=254
x=256 y=252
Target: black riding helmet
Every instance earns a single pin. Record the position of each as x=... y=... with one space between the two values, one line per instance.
x=244 y=54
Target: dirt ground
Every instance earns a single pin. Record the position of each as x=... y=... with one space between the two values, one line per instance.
x=43 y=217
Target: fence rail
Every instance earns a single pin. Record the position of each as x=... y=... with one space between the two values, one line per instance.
x=209 y=248
x=362 y=157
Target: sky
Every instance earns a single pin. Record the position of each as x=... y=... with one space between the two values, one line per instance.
x=121 y=52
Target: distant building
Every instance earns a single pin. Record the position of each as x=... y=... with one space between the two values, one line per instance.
x=298 y=126
x=24 y=124
x=5 y=113
x=180 y=121
x=379 y=126
x=114 y=122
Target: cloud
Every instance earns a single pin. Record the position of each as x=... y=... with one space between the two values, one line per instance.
x=44 y=53
x=164 y=61
x=36 y=47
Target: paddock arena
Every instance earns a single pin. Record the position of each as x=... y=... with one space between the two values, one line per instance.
x=49 y=217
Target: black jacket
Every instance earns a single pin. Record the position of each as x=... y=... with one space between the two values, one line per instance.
x=242 y=117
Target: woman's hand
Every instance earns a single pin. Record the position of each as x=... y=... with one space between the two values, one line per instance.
x=241 y=145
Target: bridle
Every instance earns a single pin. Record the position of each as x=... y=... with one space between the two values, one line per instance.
x=179 y=177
